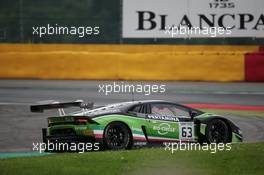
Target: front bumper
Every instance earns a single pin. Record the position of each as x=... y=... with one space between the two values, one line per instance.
x=236 y=137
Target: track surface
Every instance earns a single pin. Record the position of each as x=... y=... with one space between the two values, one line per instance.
x=19 y=128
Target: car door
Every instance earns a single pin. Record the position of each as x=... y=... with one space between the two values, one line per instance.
x=169 y=122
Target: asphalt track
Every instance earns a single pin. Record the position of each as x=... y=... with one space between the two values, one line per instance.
x=19 y=128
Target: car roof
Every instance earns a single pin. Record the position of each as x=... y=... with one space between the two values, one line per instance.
x=120 y=107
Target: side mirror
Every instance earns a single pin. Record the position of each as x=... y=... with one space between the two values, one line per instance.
x=193 y=114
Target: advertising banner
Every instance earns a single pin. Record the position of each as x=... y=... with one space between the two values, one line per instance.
x=193 y=18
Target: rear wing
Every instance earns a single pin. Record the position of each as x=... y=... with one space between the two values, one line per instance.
x=60 y=106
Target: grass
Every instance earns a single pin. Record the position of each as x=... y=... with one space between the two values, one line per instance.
x=242 y=159
x=236 y=112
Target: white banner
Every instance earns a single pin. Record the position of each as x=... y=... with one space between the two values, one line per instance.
x=204 y=18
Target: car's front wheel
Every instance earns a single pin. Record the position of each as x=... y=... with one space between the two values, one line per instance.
x=117 y=136
x=217 y=131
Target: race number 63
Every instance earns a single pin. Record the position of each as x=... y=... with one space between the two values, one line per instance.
x=186 y=130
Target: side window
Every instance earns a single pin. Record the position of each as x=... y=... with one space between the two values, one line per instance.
x=135 y=109
x=169 y=110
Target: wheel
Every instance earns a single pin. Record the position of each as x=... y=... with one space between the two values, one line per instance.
x=117 y=136
x=217 y=131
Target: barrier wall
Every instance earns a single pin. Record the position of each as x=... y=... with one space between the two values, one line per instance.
x=124 y=62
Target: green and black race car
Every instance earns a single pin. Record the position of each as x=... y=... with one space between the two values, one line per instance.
x=123 y=125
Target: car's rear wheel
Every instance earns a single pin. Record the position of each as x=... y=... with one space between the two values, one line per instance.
x=217 y=131
x=117 y=136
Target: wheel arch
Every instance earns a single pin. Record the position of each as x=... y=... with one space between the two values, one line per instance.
x=122 y=122
x=134 y=124
x=229 y=124
x=119 y=121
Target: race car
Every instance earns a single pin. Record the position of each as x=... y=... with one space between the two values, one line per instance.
x=124 y=125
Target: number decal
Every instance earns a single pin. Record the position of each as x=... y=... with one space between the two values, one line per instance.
x=183 y=132
x=186 y=130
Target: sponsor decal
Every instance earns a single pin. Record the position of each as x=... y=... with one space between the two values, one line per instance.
x=140 y=143
x=162 y=117
x=103 y=110
x=163 y=128
x=87 y=132
x=243 y=18
x=81 y=128
x=166 y=139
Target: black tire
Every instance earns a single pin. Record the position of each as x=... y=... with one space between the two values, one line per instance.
x=217 y=131
x=117 y=136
